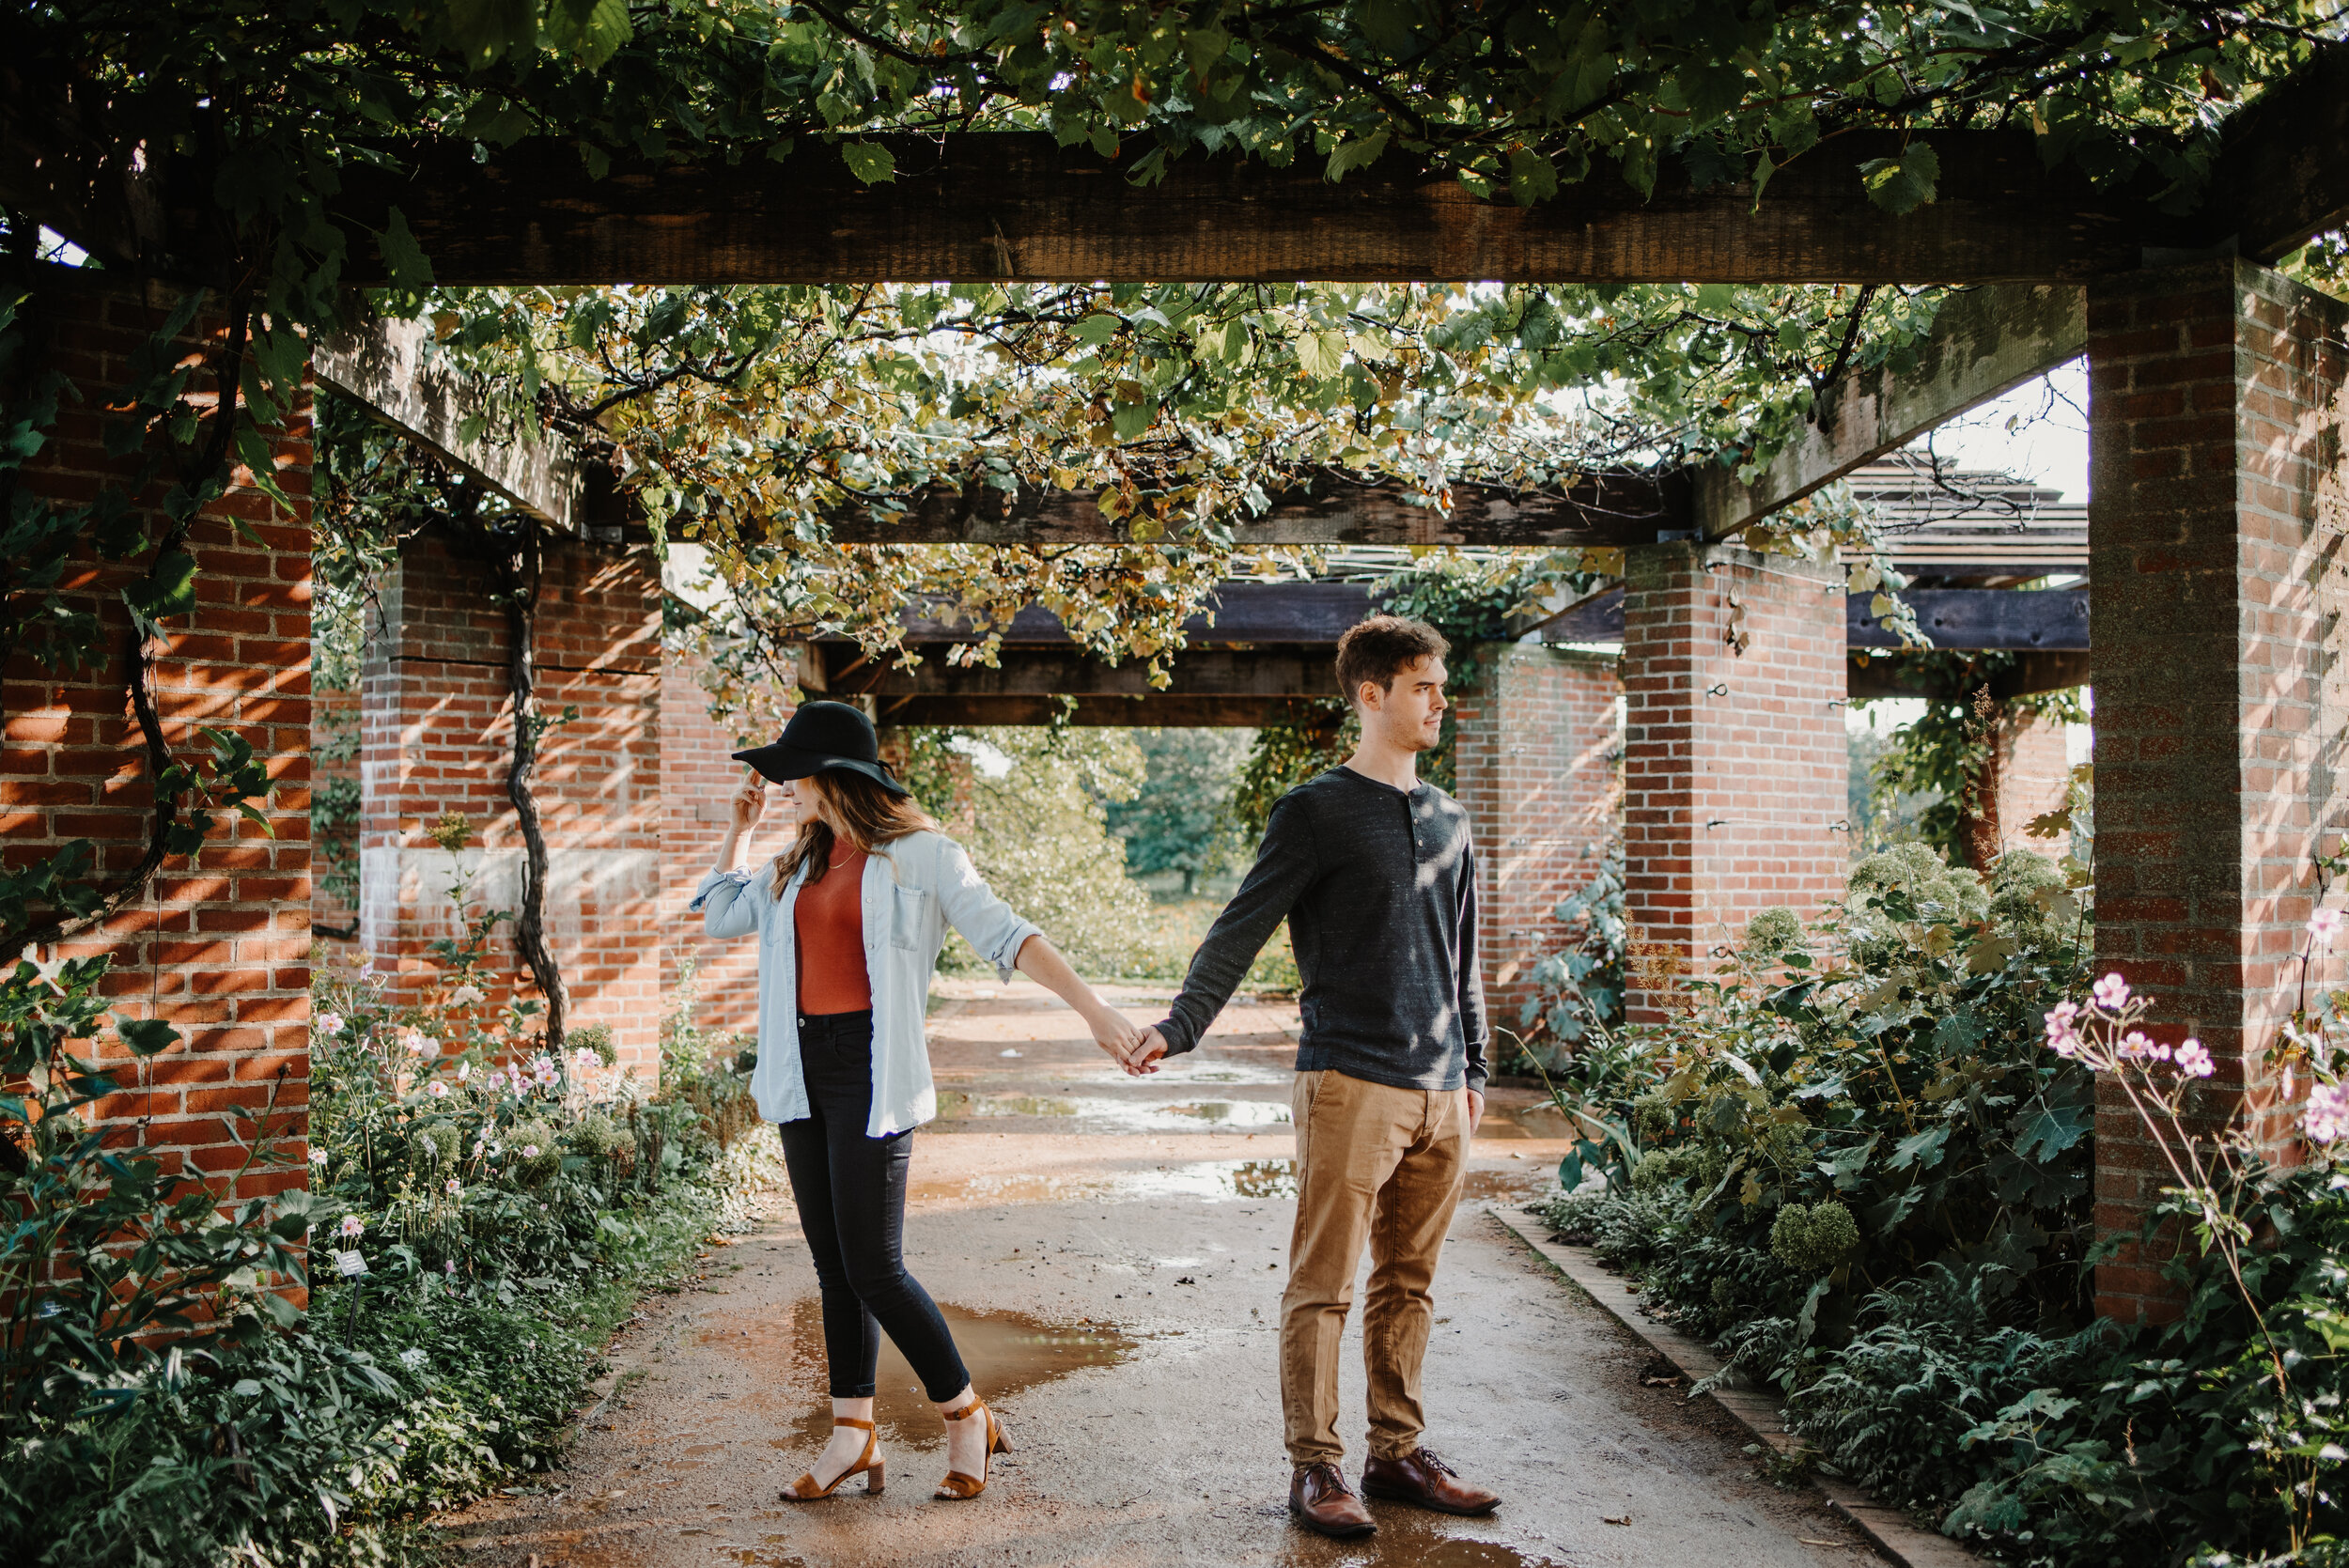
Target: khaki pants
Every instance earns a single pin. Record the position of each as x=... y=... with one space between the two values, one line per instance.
x=1384 y=1165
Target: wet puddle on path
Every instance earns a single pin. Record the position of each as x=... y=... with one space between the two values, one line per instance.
x=1101 y=1113
x=1213 y=1180
x=1006 y=1352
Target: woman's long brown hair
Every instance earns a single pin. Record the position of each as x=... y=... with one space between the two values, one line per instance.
x=873 y=816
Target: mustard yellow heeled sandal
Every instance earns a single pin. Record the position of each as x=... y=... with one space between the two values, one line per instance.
x=959 y=1487
x=869 y=1465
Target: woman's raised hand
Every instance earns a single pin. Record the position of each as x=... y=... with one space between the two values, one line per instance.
x=750 y=804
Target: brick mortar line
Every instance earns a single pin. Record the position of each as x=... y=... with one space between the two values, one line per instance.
x=1888 y=1529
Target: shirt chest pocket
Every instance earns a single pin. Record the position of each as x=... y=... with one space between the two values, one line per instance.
x=909 y=917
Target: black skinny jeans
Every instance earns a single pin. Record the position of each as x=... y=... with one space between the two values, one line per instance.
x=851 y=1195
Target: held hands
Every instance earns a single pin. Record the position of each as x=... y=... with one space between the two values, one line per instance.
x=1144 y=1058
x=1476 y=1109
x=1113 y=1033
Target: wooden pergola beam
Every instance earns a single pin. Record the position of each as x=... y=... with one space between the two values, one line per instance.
x=383 y=369
x=1608 y=509
x=987 y=207
x=1173 y=712
x=2285 y=176
x=1984 y=342
x=1286 y=673
x=1967 y=619
x=1313 y=614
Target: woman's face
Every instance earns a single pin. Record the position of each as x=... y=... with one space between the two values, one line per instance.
x=807 y=806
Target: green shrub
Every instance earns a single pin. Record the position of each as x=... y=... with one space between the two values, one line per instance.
x=1774 y=931
x=1814 y=1240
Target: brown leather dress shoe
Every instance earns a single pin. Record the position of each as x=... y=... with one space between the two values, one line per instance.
x=1426 y=1481
x=1321 y=1500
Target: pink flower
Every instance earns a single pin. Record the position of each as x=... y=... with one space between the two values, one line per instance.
x=318 y=1157
x=417 y=1042
x=438 y=1089
x=2136 y=1047
x=464 y=996
x=546 y=1070
x=328 y=1023
x=2327 y=1116
x=530 y=1151
x=449 y=1265
x=2113 y=992
x=352 y=1226
x=452 y=1186
x=465 y=1071
x=2324 y=926
x=2193 y=1061
x=2061 y=1037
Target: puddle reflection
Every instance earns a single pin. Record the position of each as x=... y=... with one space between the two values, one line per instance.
x=1409 y=1537
x=1104 y=1112
x=1006 y=1352
x=1211 y=1180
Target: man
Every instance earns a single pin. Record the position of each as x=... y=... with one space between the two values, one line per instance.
x=1373 y=870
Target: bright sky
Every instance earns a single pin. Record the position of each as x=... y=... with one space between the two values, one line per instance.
x=2048 y=438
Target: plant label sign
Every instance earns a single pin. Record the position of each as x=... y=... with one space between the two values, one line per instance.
x=351 y=1264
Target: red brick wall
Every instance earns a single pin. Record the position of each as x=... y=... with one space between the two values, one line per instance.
x=437 y=735
x=698 y=778
x=2034 y=778
x=1536 y=768
x=219 y=946
x=2216 y=402
x=1734 y=763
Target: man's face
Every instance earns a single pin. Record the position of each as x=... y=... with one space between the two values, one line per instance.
x=1409 y=714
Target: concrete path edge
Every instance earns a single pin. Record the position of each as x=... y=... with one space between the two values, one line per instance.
x=1898 y=1537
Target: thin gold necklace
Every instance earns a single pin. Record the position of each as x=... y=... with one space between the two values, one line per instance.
x=843 y=859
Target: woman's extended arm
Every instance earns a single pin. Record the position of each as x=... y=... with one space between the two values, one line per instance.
x=727 y=907
x=1041 y=962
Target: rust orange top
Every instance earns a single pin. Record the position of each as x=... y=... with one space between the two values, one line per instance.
x=829 y=921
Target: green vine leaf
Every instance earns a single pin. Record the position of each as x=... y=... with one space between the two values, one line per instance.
x=871 y=162
x=1901 y=185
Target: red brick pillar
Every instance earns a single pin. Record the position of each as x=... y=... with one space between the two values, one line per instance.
x=698 y=778
x=2034 y=777
x=1535 y=765
x=437 y=735
x=1735 y=760
x=2215 y=531
x=218 y=945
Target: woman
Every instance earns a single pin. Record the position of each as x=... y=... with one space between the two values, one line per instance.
x=849 y=918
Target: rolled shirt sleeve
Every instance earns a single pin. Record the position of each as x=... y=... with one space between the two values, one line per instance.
x=1286 y=863
x=994 y=929
x=728 y=902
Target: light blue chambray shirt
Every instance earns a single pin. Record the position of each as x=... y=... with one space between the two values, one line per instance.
x=910 y=890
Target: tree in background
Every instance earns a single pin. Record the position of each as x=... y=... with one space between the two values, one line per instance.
x=1030 y=805
x=1181 y=819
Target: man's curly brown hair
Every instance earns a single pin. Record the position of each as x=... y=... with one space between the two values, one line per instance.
x=1381 y=647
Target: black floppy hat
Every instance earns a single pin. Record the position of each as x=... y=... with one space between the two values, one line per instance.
x=823 y=735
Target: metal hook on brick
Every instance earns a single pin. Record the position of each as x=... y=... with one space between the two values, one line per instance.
x=1841 y=825
x=1719 y=689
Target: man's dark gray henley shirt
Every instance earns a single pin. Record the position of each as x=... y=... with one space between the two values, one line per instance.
x=1379 y=889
